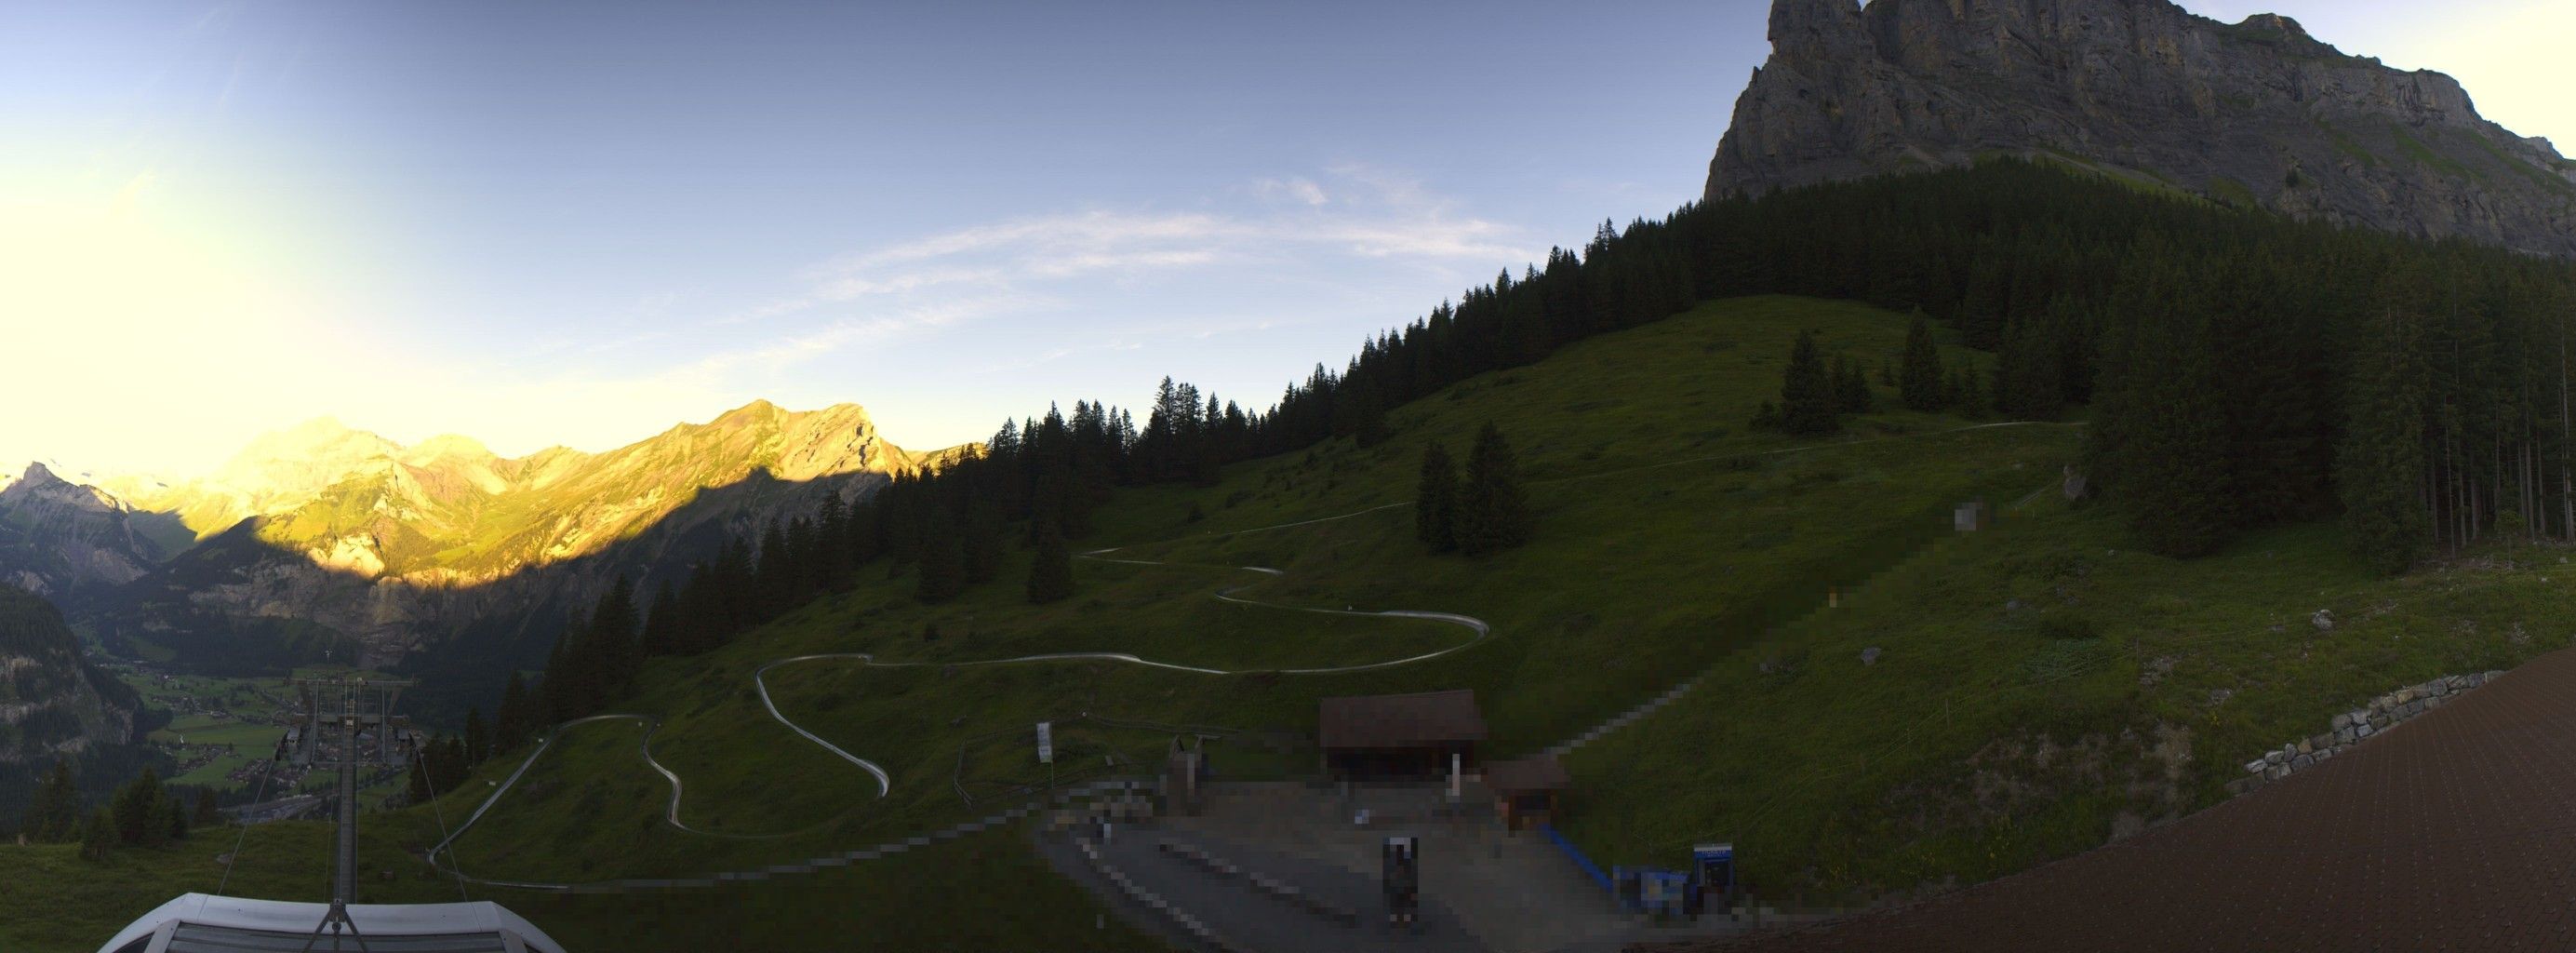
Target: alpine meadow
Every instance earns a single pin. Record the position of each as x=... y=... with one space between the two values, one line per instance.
x=2074 y=475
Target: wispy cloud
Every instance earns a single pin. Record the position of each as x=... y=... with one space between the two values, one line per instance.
x=1297 y=189
x=1370 y=212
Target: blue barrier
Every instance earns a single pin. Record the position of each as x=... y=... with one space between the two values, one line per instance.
x=1589 y=868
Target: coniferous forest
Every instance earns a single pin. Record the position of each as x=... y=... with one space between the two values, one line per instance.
x=2240 y=369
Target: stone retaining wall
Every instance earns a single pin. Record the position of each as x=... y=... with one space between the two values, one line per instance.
x=2354 y=727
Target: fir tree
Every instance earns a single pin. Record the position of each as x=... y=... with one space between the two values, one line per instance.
x=1921 y=384
x=1768 y=417
x=208 y=813
x=418 y=785
x=141 y=817
x=2174 y=478
x=516 y=719
x=1493 y=515
x=478 y=742
x=774 y=576
x=1807 y=391
x=2379 y=468
x=1851 y=387
x=54 y=815
x=662 y=625
x=1435 y=502
x=983 y=545
x=2027 y=379
x=98 y=835
x=1051 y=572
x=943 y=561
x=612 y=638
x=174 y=819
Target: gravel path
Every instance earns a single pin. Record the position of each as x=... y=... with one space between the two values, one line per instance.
x=1231 y=908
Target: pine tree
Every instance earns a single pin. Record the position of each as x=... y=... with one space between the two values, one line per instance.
x=1807 y=391
x=943 y=560
x=2379 y=468
x=1768 y=417
x=2027 y=378
x=983 y=545
x=98 y=835
x=516 y=719
x=140 y=815
x=662 y=626
x=1493 y=514
x=478 y=743
x=1435 y=502
x=554 y=684
x=1851 y=387
x=774 y=577
x=54 y=815
x=208 y=813
x=174 y=819
x=1051 y=572
x=418 y=789
x=1921 y=383
x=833 y=555
x=612 y=635
x=2174 y=477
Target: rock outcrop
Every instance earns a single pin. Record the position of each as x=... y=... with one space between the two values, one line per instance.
x=53 y=702
x=59 y=537
x=2252 y=113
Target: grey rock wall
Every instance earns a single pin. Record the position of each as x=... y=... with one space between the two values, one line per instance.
x=2255 y=112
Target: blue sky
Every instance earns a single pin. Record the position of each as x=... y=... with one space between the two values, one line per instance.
x=580 y=223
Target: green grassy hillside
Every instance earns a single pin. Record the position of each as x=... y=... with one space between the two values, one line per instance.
x=2042 y=687
x=1672 y=540
x=1643 y=477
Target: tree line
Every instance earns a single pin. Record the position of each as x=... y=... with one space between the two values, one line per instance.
x=142 y=813
x=2241 y=369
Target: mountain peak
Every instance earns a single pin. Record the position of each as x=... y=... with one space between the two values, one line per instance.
x=37 y=474
x=449 y=445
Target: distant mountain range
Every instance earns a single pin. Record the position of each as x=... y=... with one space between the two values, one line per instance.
x=326 y=541
x=2256 y=113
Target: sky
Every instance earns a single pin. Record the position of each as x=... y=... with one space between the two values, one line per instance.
x=581 y=223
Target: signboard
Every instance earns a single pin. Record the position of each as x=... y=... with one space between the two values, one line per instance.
x=1046 y=743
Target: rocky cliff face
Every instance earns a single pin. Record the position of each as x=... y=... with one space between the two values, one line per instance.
x=348 y=545
x=2255 y=113
x=58 y=537
x=52 y=701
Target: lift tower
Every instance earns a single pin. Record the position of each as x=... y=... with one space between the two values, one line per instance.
x=348 y=722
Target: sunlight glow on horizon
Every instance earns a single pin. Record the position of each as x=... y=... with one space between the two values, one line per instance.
x=413 y=221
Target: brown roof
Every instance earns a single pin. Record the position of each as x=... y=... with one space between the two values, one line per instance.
x=1541 y=773
x=1401 y=721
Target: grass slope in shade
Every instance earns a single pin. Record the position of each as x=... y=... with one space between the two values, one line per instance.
x=1670 y=537
x=985 y=892
x=2124 y=689
x=1614 y=604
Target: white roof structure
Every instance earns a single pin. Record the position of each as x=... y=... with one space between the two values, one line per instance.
x=204 y=923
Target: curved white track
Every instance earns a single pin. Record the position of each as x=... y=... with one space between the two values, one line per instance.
x=885 y=780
